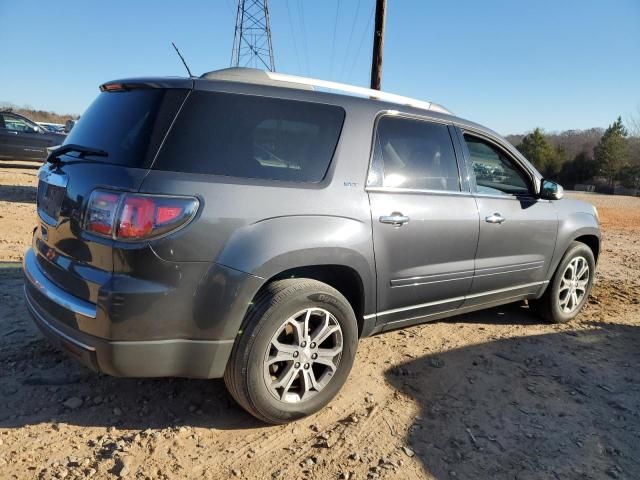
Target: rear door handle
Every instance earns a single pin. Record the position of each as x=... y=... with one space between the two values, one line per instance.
x=495 y=218
x=396 y=219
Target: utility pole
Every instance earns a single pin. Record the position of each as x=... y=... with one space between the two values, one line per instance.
x=252 y=40
x=378 y=44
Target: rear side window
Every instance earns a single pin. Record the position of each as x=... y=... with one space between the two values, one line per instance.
x=252 y=137
x=129 y=125
x=413 y=154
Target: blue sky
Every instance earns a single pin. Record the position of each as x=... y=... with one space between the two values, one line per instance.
x=511 y=65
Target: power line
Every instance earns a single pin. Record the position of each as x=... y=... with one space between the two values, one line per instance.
x=333 y=42
x=230 y=6
x=304 y=34
x=364 y=35
x=293 y=37
x=346 y=53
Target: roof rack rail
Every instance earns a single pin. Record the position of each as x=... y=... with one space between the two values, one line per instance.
x=251 y=75
x=353 y=89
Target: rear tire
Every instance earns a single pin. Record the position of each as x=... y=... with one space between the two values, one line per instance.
x=276 y=346
x=570 y=286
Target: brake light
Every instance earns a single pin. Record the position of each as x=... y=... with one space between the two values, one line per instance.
x=167 y=214
x=127 y=216
x=101 y=212
x=112 y=87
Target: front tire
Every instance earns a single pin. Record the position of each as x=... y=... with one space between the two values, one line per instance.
x=295 y=352
x=570 y=286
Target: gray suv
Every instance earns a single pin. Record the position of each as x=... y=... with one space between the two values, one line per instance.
x=254 y=226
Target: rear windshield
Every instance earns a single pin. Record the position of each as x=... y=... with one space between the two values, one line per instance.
x=252 y=137
x=128 y=125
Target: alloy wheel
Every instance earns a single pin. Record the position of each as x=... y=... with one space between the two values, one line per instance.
x=573 y=285
x=303 y=355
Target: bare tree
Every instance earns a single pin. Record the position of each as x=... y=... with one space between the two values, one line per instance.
x=633 y=122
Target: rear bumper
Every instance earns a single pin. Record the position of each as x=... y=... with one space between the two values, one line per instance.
x=155 y=358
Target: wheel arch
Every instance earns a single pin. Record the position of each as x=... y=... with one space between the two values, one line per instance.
x=574 y=227
x=591 y=241
x=343 y=278
x=335 y=250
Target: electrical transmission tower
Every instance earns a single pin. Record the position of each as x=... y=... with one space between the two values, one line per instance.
x=252 y=39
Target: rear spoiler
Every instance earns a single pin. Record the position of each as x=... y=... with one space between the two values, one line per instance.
x=152 y=82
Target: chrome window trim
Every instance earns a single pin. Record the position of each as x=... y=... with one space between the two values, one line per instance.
x=509 y=196
x=416 y=190
x=496 y=140
x=423 y=118
x=498 y=143
x=413 y=116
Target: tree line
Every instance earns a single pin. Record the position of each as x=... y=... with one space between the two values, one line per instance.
x=37 y=115
x=604 y=158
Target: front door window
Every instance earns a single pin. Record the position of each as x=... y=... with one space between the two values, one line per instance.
x=494 y=172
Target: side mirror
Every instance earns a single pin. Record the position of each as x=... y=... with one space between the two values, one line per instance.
x=551 y=190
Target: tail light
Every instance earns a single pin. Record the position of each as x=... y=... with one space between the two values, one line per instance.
x=132 y=216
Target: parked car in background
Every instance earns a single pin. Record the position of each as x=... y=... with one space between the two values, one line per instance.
x=244 y=224
x=23 y=139
x=52 y=127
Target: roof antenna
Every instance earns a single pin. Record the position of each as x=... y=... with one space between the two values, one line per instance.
x=182 y=58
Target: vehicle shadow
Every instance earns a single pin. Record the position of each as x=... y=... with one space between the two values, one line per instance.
x=18 y=193
x=517 y=313
x=558 y=405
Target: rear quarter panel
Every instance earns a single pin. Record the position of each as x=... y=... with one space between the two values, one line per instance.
x=265 y=227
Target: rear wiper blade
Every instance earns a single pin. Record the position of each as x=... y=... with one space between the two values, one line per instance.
x=54 y=156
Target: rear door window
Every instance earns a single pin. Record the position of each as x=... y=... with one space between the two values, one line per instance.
x=129 y=125
x=413 y=154
x=252 y=137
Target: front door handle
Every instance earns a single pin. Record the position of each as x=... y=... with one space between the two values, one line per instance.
x=495 y=218
x=396 y=219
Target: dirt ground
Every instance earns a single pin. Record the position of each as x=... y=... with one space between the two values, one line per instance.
x=494 y=394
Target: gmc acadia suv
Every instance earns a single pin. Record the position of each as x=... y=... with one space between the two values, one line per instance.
x=254 y=226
